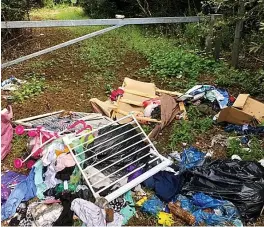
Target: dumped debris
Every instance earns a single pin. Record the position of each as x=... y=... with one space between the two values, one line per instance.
x=101 y=169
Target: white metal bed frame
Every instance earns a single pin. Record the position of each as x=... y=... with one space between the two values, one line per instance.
x=153 y=153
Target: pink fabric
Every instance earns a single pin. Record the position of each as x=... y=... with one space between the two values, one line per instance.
x=63 y=161
x=6 y=131
x=36 y=142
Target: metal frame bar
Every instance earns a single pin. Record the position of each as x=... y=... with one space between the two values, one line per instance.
x=153 y=153
x=89 y=22
x=56 y=47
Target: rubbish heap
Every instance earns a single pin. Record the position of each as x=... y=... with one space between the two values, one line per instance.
x=97 y=169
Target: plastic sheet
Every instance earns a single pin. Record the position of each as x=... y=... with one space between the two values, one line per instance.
x=240 y=182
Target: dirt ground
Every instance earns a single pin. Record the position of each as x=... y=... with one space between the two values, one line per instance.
x=66 y=90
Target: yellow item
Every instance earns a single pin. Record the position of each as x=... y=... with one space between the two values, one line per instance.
x=165 y=219
x=59 y=152
x=141 y=201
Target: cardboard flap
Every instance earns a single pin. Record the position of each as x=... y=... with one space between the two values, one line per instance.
x=240 y=101
x=235 y=116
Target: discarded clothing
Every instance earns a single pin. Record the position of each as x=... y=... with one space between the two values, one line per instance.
x=65 y=174
x=118 y=220
x=98 y=176
x=117 y=204
x=240 y=182
x=242 y=130
x=148 y=110
x=152 y=206
x=169 y=110
x=89 y=213
x=24 y=191
x=64 y=160
x=157 y=182
x=208 y=92
x=135 y=174
x=50 y=176
x=9 y=180
x=190 y=158
x=129 y=210
x=6 y=131
x=49 y=215
x=66 y=216
x=83 y=192
x=116 y=93
x=40 y=185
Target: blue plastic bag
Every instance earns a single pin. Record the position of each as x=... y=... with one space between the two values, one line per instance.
x=205 y=201
x=152 y=206
x=191 y=157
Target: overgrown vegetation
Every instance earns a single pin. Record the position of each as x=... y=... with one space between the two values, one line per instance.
x=253 y=153
x=34 y=86
x=186 y=131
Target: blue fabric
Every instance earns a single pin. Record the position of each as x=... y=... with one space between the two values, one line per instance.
x=223 y=103
x=239 y=129
x=152 y=206
x=165 y=184
x=202 y=89
x=24 y=191
x=191 y=157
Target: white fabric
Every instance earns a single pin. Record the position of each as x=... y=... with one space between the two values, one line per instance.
x=93 y=215
x=89 y=171
x=88 y=212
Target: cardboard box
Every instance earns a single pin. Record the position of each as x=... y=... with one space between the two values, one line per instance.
x=244 y=110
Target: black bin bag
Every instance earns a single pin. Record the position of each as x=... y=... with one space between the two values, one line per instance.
x=113 y=142
x=240 y=182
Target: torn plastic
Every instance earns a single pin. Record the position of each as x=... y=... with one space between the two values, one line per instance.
x=240 y=182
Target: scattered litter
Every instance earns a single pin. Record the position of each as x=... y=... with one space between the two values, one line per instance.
x=219 y=139
x=90 y=168
x=11 y=84
x=236 y=157
x=165 y=219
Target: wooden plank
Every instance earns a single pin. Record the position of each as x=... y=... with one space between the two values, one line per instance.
x=50 y=49
x=89 y=22
x=169 y=92
x=137 y=117
x=24 y=120
x=182 y=108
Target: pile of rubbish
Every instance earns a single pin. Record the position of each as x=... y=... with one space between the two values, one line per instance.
x=98 y=169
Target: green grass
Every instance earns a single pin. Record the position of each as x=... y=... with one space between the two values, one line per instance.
x=256 y=149
x=59 y=12
x=186 y=131
x=34 y=86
